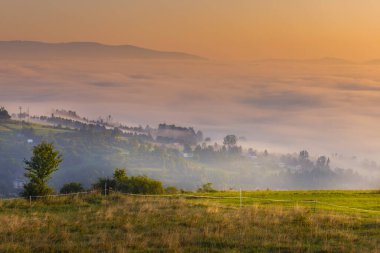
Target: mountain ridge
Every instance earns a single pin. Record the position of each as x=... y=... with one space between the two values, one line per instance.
x=18 y=49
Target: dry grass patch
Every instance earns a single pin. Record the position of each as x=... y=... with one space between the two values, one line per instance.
x=132 y=224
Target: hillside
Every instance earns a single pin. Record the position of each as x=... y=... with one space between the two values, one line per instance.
x=42 y=50
x=94 y=149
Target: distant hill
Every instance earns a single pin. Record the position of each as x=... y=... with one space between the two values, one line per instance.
x=325 y=60
x=42 y=50
x=329 y=60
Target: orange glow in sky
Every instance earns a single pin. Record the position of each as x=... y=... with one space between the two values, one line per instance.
x=217 y=29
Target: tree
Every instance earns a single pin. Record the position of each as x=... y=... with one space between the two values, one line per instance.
x=304 y=155
x=199 y=136
x=230 y=140
x=120 y=179
x=4 y=115
x=120 y=175
x=323 y=162
x=71 y=188
x=44 y=162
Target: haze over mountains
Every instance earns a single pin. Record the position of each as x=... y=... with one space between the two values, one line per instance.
x=325 y=106
x=43 y=50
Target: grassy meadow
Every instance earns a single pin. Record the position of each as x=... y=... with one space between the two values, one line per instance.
x=365 y=202
x=122 y=223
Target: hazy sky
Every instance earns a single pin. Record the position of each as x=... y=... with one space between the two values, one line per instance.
x=218 y=29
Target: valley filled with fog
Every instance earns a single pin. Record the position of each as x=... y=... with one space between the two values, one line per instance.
x=323 y=106
x=326 y=106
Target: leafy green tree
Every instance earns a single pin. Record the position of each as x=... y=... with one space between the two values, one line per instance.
x=120 y=175
x=44 y=162
x=71 y=188
x=120 y=179
x=4 y=115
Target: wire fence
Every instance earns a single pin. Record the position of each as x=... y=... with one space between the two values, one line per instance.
x=62 y=194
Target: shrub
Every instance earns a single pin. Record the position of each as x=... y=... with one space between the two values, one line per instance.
x=144 y=185
x=207 y=187
x=105 y=184
x=171 y=190
x=137 y=185
x=71 y=188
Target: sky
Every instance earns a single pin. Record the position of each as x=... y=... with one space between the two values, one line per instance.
x=322 y=106
x=216 y=29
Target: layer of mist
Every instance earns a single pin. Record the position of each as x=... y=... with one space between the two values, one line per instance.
x=325 y=107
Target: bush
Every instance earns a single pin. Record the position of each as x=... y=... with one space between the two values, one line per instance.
x=33 y=189
x=206 y=188
x=171 y=190
x=105 y=183
x=71 y=188
x=144 y=185
x=136 y=185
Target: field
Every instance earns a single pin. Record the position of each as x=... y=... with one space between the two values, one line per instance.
x=366 y=203
x=123 y=223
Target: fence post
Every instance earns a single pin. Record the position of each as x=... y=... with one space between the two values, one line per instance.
x=105 y=189
x=315 y=206
x=241 y=201
x=30 y=200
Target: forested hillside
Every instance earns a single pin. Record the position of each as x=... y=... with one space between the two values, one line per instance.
x=92 y=150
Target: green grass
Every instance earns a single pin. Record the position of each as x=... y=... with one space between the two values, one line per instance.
x=337 y=200
x=119 y=223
